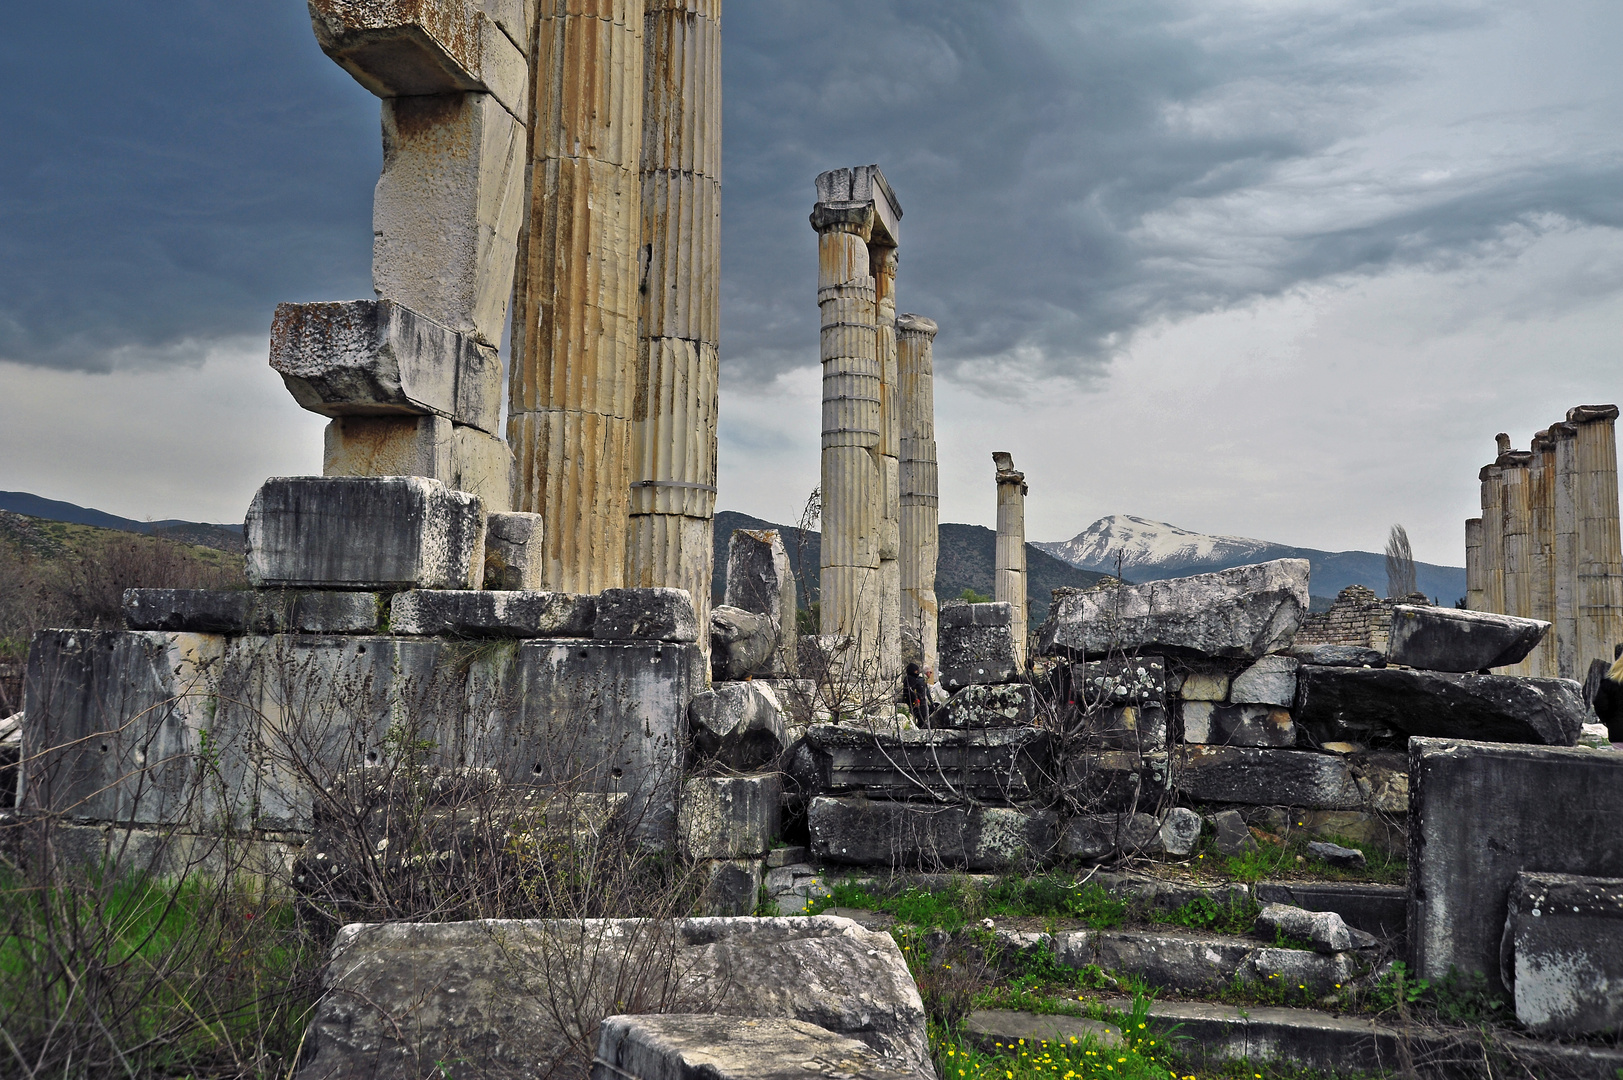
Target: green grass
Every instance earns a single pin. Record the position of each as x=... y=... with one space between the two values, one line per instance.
x=1270 y=861
x=1146 y=1054
x=1234 y=916
x=1051 y=896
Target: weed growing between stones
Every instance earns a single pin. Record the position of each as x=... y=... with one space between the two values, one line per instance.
x=1283 y=858
x=1143 y=1055
x=1236 y=915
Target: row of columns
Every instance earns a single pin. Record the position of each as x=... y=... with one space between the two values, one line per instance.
x=1548 y=546
x=613 y=384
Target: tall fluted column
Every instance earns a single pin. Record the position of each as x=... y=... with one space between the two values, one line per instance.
x=1473 y=564
x=883 y=259
x=1565 y=554
x=920 y=501
x=576 y=302
x=853 y=480
x=1600 y=553
x=1513 y=469
x=1009 y=583
x=673 y=430
x=1493 y=540
x=1541 y=550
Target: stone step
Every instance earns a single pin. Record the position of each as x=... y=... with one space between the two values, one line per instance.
x=1325 y=1041
x=987 y=1028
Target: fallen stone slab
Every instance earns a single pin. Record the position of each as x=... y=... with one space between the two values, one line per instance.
x=1260 y=777
x=1344 y=858
x=1339 y=655
x=1484 y=708
x=1324 y=930
x=1381 y=910
x=1180 y=830
x=787 y=856
x=1270 y=681
x=646 y=615
x=1190 y=960
x=1562 y=953
x=739 y=725
x=711 y=1047
x=976 y=645
x=363 y=533
x=1449 y=639
x=241 y=611
x=491 y=614
x=1233 y=834
x=1482 y=813
x=741 y=643
x=729 y=817
x=864 y=832
x=378 y=358
x=1008 y=705
x=490 y=994
x=1213 y=724
x=989 y=764
x=988 y=1028
x=1243 y=613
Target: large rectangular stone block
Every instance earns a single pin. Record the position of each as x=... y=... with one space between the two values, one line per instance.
x=1237 y=725
x=482 y=465
x=1336 y=702
x=646 y=614
x=597 y=715
x=1246 y=612
x=490 y=613
x=991 y=764
x=873 y=832
x=241 y=611
x=709 y=1047
x=363 y=533
x=1481 y=813
x=1447 y=639
x=976 y=645
x=729 y=817
x=1257 y=777
x=1562 y=953
x=378 y=357
x=515 y=552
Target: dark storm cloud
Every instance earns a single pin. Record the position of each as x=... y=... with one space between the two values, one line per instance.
x=172 y=169
x=1070 y=169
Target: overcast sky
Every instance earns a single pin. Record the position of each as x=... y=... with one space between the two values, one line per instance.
x=1269 y=268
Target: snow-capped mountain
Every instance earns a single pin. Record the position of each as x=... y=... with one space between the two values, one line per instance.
x=1153 y=550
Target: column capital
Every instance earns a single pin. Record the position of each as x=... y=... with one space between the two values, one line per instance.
x=916 y=324
x=863 y=185
x=1584 y=414
x=1006 y=472
x=843 y=219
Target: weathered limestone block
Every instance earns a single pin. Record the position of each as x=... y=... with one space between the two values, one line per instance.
x=601 y=716
x=1124 y=727
x=363 y=533
x=1324 y=930
x=482 y=465
x=1009 y=705
x=1492 y=708
x=647 y=615
x=709 y=1047
x=115 y=721
x=1257 y=777
x=1344 y=858
x=238 y=611
x=514 y=552
x=989 y=1028
x=1237 y=725
x=447 y=209
x=1233 y=835
x=1312 y=972
x=1204 y=684
x=991 y=764
x=1339 y=656
x=855 y=830
x=378 y=358
x=400 y=997
x=741 y=643
x=1246 y=612
x=1481 y=813
x=741 y=725
x=977 y=646
x=730 y=887
x=492 y=614
x=1180 y=830
x=1562 y=953
x=1447 y=639
x=760 y=580
x=1139 y=681
x=1113 y=781
x=729 y=817
x=1270 y=681
x=1375 y=909
x=387 y=446
x=1103 y=836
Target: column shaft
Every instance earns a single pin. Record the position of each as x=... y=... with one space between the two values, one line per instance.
x=576 y=303
x=920 y=524
x=673 y=432
x=883 y=261
x=1600 y=560
x=1513 y=469
x=1009 y=581
x=1473 y=564
x=1541 y=550
x=1564 y=571
x=1493 y=541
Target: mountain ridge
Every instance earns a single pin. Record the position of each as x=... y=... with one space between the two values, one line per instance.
x=1155 y=550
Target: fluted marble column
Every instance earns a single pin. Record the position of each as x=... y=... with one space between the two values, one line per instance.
x=920 y=502
x=576 y=301
x=883 y=259
x=1600 y=553
x=1009 y=584
x=1473 y=564
x=1493 y=539
x=1513 y=481
x=673 y=429
x=1541 y=661
x=1565 y=553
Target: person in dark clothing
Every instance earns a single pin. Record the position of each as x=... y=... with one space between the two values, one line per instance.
x=1609 y=699
x=916 y=695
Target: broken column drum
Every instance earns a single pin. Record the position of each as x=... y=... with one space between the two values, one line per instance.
x=920 y=501
x=855 y=209
x=1009 y=585
x=576 y=305
x=1473 y=564
x=1600 y=558
x=673 y=417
